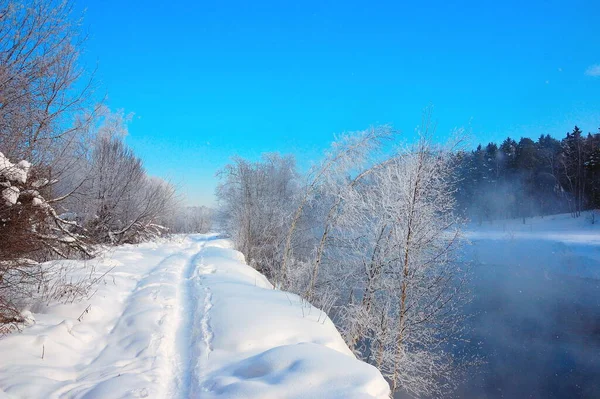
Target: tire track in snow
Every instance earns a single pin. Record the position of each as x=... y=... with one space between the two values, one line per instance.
x=124 y=335
x=207 y=333
x=185 y=332
x=194 y=337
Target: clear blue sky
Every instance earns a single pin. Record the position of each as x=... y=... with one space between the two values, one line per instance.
x=210 y=79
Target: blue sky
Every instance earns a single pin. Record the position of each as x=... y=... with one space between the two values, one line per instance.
x=211 y=79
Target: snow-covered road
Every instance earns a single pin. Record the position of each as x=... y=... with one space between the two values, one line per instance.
x=183 y=318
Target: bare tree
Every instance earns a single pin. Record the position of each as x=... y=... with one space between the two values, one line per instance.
x=350 y=152
x=119 y=202
x=373 y=233
x=43 y=114
x=67 y=179
x=39 y=50
x=405 y=308
x=256 y=200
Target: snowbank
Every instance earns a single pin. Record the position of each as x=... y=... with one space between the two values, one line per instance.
x=184 y=318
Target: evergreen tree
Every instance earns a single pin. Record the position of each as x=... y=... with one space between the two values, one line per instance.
x=530 y=177
x=572 y=162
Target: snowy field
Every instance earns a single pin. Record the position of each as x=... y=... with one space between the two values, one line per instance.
x=536 y=308
x=182 y=318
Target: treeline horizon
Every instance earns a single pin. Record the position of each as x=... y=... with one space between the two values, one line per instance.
x=529 y=178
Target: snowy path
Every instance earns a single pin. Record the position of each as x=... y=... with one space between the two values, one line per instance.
x=194 y=334
x=183 y=318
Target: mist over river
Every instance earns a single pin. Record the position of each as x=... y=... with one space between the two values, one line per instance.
x=536 y=311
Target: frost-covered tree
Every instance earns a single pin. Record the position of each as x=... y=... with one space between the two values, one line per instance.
x=371 y=235
x=44 y=111
x=192 y=219
x=351 y=156
x=408 y=286
x=119 y=201
x=67 y=178
x=44 y=94
x=256 y=200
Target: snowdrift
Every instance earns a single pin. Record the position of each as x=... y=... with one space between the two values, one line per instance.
x=183 y=318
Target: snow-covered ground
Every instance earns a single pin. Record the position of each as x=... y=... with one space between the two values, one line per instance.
x=182 y=318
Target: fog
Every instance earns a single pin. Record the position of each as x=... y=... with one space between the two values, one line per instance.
x=538 y=331
x=535 y=310
x=516 y=197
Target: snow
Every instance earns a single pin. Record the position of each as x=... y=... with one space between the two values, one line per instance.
x=40 y=183
x=37 y=201
x=10 y=171
x=10 y=195
x=558 y=244
x=182 y=318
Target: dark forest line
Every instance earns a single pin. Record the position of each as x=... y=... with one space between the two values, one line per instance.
x=530 y=178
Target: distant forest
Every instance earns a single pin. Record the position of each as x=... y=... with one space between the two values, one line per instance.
x=530 y=178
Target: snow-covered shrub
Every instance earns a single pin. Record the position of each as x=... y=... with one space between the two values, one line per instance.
x=30 y=231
